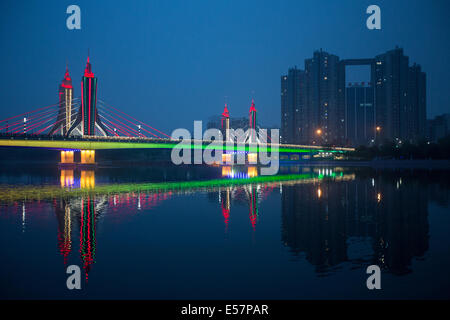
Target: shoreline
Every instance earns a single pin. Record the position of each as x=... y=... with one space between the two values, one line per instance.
x=419 y=164
x=413 y=164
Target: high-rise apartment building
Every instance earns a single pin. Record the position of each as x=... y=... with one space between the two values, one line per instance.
x=321 y=104
x=315 y=102
x=293 y=113
x=360 y=128
x=400 y=97
x=391 y=92
x=417 y=103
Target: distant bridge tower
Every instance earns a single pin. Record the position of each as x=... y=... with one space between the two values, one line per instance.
x=225 y=199
x=252 y=122
x=64 y=119
x=87 y=119
x=226 y=123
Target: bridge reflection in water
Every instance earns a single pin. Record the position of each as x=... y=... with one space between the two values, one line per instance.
x=84 y=210
x=329 y=216
x=85 y=181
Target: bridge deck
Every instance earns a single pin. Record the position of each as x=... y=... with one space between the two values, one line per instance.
x=110 y=143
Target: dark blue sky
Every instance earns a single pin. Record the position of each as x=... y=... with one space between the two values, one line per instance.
x=171 y=62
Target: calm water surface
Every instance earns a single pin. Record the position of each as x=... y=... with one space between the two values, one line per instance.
x=213 y=233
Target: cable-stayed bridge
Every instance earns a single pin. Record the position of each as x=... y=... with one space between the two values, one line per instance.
x=88 y=123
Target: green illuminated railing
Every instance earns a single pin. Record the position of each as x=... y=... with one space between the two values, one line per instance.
x=49 y=192
x=108 y=145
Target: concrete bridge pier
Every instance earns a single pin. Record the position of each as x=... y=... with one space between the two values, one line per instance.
x=67 y=157
x=252 y=158
x=87 y=157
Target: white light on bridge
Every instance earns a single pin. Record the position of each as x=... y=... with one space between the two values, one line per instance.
x=23 y=216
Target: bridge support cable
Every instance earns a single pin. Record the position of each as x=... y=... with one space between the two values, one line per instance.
x=268 y=137
x=31 y=125
x=124 y=124
x=130 y=129
x=135 y=120
x=111 y=131
x=111 y=114
x=65 y=108
x=38 y=124
x=30 y=112
x=48 y=121
x=139 y=134
x=118 y=131
x=117 y=127
x=19 y=123
x=47 y=127
x=31 y=120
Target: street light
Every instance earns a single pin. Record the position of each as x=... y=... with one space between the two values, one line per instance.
x=318 y=133
x=377 y=134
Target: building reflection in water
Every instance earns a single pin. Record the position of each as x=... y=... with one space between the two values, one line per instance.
x=323 y=221
x=324 y=217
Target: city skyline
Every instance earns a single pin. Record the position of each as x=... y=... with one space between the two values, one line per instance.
x=320 y=106
x=236 y=52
